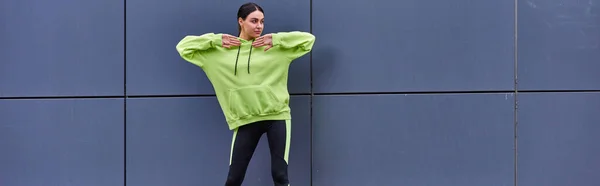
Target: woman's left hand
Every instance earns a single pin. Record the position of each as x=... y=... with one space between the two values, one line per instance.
x=265 y=40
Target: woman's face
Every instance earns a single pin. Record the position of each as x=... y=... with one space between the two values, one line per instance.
x=253 y=25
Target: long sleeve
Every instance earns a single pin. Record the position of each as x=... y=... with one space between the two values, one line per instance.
x=191 y=47
x=294 y=44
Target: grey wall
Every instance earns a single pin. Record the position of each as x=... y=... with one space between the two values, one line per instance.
x=420 y=93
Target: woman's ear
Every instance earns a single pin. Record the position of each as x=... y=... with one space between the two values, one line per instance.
x=240 y=22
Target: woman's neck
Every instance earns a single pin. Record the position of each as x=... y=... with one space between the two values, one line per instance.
x=245 y=37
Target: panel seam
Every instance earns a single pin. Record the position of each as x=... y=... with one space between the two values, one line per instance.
x=311 y=93
x=125 y=92
x=516 y=89
x=311 y=96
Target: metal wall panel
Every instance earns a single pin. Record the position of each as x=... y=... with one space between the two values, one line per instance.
x=453 y=139
x=62 y=142
x=559 y=45
x=391 y=46
x=154 y=27
x=61 y=48
x=558 y=139
x=185 y=141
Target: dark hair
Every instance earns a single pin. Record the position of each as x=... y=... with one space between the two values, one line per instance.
x=245 y=10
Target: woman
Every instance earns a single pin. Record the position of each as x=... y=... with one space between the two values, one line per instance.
x=249 y=74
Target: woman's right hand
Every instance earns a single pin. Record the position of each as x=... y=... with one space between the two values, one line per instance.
x=229 y=41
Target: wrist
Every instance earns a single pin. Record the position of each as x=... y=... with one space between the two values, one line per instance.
x=218 y=40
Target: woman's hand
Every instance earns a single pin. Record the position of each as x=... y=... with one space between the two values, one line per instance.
x=265 y=40
x=229 y=40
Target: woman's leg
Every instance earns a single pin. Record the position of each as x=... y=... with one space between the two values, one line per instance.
x=244 y=142
x=279 y=135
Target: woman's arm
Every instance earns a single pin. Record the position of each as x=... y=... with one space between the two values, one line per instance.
x=294 y=44
x=191 y=48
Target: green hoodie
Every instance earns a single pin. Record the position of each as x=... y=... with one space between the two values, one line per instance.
x=250 y=83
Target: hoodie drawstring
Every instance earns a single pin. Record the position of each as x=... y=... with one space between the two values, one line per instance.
x=236 y=60
x=250 y=54
x=238 y=55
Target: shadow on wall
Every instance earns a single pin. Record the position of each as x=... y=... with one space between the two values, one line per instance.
x=326 y=61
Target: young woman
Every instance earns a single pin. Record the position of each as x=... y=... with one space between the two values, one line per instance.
x=249 y=74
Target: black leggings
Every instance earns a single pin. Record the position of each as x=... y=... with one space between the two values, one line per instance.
x=244 y=142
